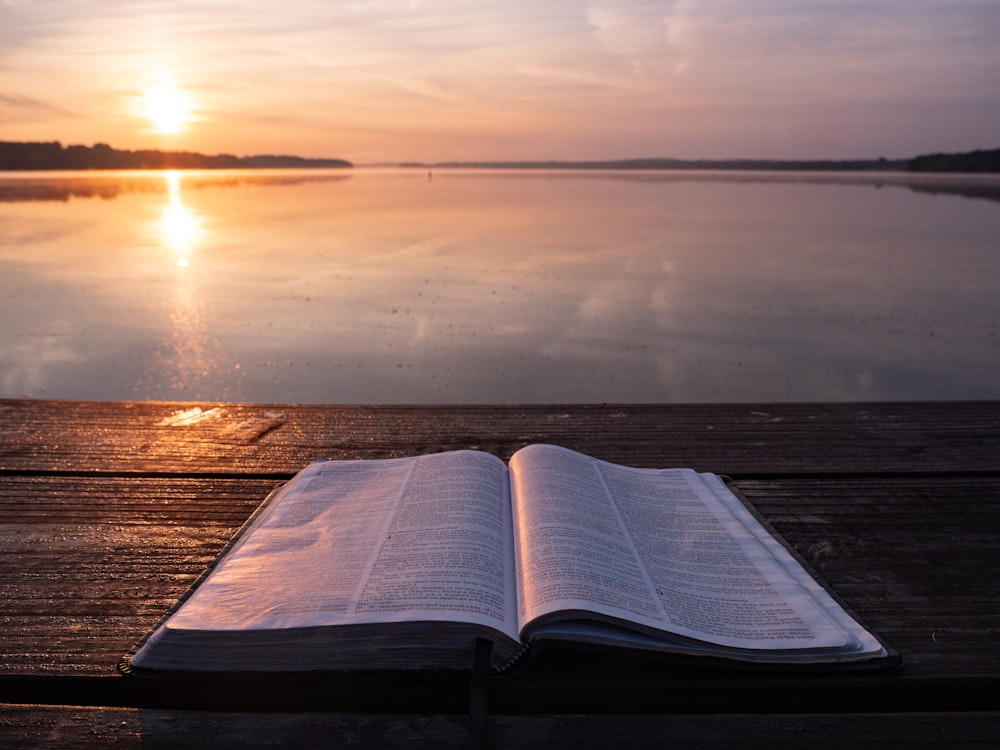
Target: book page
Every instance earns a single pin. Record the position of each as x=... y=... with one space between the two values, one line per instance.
x=656 y=548
x=351 y=542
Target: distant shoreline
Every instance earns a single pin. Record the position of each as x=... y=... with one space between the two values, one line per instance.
x=771 y=165
x=969 y=162
x=52 y=156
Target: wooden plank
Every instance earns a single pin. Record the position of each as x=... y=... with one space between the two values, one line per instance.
x=88 y=564
x=124 y=729
x=109 y=511
x=725 y=438
x=917 y=559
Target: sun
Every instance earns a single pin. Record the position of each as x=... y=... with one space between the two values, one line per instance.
x=167 y=108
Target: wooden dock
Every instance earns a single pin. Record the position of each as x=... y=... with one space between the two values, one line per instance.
x=108 y=511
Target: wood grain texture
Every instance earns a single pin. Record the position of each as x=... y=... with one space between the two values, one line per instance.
x=724 y=438
x=109 y=511
x=130 y=729
x=88 y=564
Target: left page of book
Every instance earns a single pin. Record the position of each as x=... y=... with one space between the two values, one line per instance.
x=355 y=542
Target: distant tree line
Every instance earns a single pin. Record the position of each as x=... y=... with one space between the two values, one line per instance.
x=777 y=165
x=16 y=156
x=975 y=161
x=52 y=155
x=971 y=161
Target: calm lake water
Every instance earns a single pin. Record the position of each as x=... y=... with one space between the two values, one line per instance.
x=396 y=286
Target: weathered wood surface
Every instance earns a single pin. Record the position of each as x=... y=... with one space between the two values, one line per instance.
x=89 y=563
x=108 y=511
x=124 y=729
x=728 y=438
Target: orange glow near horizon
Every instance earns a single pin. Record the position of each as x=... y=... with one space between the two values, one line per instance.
x=445 y=80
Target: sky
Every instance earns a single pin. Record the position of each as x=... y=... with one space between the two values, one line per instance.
x=378 y=81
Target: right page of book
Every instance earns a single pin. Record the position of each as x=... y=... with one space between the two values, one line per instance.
x=669 y=550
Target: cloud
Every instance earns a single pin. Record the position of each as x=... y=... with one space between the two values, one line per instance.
x=770 y=44
x=19 y=108
x=586 y=77
x=637 y=33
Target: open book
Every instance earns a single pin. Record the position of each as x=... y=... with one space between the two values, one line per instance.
x=404 y=563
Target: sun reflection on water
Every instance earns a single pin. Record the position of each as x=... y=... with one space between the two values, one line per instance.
x=180 y=226
x=190 y=360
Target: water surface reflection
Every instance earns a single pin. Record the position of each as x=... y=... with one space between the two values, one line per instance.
x=497 y=287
